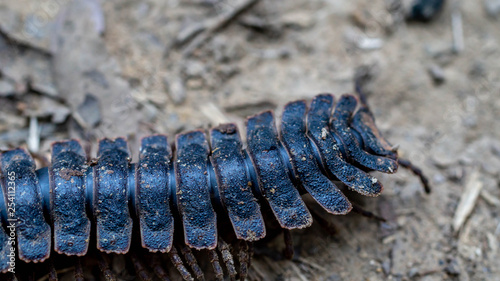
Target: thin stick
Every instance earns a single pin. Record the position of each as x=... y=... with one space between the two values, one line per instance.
x=218 y=24
x=457 y=29
x=417 y=171
x=368 y=214
x=468 y=199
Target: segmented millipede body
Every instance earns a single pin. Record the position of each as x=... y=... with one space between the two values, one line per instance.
x=206 y=182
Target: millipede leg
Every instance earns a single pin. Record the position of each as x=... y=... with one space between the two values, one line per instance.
x=416 y=171
x=179 y=264
x=244 y=259
x=158 y=269
x=78 y=270
x=191 y=260
x=27 y=273
x=140 y=270
x=251 y=251
x=52 y=270
x=10 y=277
x=326 y=225
x=365 y=213
x=104 y=267
x=288 y=251
x=214 y=260
x=227 y=257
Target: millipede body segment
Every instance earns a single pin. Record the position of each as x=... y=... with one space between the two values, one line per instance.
x=207 y=179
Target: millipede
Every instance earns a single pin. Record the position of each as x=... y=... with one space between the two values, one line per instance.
x=207 y=196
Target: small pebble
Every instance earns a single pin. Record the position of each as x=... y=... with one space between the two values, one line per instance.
x=279 y=53
x=477 y=70
x=455 y=173
x=470 y=121
x=175 y=89
x=492 y=8
x=194 y=69
x=299 y=20
x=495 y=148
x=7 y=88
x=386 y=266
x=437 y=74
x=424 y=10
x=413 y=272
x=334 y=277
x=439 y=178
x=453 y=268
x=89 y=111
x=45 y=87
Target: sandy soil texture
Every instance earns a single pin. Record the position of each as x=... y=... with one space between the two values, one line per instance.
x=91 y=69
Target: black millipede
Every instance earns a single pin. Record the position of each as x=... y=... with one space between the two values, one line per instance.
x=210 y=195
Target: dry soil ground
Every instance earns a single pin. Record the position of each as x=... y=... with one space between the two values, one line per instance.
x=130 y=60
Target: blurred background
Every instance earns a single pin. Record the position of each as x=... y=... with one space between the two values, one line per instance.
x=431 y=69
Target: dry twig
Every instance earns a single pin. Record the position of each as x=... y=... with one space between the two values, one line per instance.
x=467 y=200
x=211 y=27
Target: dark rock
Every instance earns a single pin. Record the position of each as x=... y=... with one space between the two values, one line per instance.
x=453 y=267
x=437 y=74
x=89 y=111
x=424 y=10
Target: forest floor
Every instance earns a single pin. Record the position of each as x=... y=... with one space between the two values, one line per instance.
x=131 y=68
